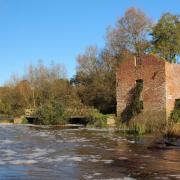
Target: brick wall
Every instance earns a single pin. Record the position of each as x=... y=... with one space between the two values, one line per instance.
x=172 y=85
x=152 y=72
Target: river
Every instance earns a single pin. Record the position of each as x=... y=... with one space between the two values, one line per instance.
x=44 y=153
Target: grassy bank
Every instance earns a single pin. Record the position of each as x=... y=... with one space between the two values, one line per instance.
x=173 y=131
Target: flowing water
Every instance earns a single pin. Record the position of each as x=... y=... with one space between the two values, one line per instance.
x=33 y=153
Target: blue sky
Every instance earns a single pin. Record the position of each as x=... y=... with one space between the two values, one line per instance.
x=59 y=30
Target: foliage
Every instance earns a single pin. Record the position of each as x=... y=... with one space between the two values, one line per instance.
x=175 y=114
x=135 y=104
x=39 y=87
x=166 y=37
x=173 y=127
x=24 y=121
x=53 y=98
x=97 y=119
x=173 y=130
x=130 y=33
x=143 y=124
x=11 y=101
x=95 y=80
x=50 y=114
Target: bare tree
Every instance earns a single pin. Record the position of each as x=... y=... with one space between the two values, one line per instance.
x=130 y=33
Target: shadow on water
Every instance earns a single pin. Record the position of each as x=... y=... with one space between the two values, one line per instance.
x=58 y=153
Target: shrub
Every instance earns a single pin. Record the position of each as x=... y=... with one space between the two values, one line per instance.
x=50 y=114
x=24 y=121
x=97 y=119
x=175 y=114
x=173 y=130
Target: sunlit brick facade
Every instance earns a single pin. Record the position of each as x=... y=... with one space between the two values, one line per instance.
x=161 y=85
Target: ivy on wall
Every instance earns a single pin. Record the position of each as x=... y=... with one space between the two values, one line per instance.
x=135 y=104
x=175 y=114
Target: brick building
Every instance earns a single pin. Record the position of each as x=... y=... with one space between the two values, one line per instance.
x=161 y=85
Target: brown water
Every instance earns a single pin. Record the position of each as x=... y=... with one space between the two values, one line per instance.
x=32 y=153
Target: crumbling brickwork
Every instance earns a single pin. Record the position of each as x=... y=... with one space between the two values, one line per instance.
x=161 y=85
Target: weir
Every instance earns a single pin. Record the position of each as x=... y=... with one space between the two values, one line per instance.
x=78 y=120
x=31 y=119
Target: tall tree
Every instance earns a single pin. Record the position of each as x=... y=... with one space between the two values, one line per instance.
x=95 y=80
x=130 y=33
x=166 y=37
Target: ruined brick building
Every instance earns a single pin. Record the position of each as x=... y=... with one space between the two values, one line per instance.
x=161 y=85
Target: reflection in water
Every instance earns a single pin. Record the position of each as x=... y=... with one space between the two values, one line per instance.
x=31 y=153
